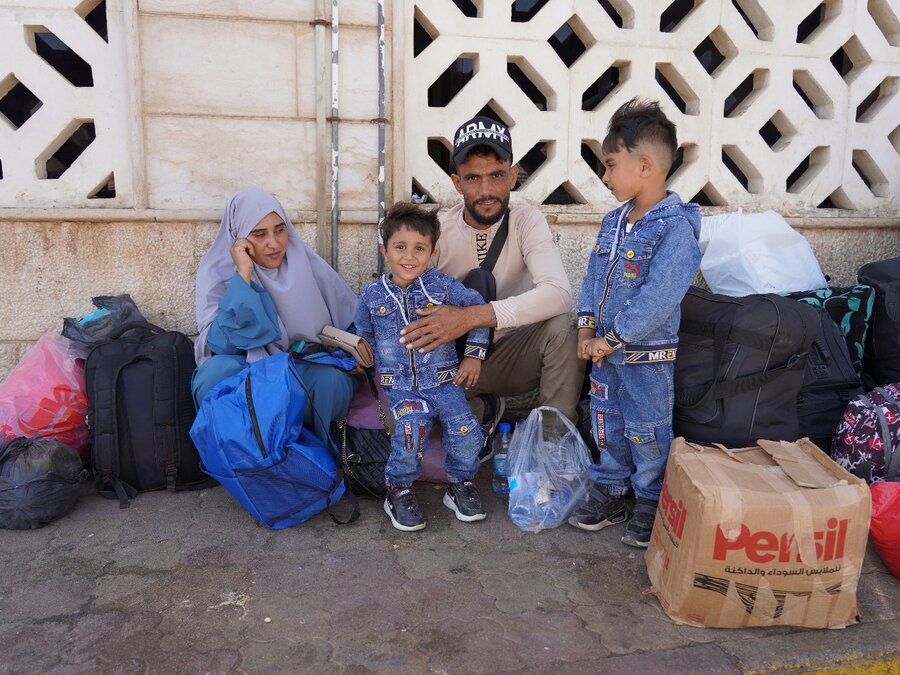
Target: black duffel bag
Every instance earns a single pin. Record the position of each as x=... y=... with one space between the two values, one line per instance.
x=740 y=367
x=882 y=361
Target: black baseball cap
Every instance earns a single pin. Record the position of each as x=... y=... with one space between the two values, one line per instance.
x=481 y=130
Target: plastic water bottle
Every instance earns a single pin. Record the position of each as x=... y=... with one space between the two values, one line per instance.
x=501 y=455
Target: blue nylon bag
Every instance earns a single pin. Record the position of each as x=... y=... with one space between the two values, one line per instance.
x=250 y=435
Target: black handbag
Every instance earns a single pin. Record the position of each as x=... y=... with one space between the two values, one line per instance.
x=364 y=452
x=482 y=279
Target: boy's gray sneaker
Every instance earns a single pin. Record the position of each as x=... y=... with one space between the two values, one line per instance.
x=601 y=510
x=403 y=509
x=637 y=532
x=463 y=499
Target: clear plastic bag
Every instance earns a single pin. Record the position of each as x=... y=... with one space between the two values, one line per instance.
x=548 y=470
x=44 y=395
x=747 y=253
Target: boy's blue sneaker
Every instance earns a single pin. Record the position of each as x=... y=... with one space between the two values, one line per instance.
x=463 y=499
x=601 y=510
x=637 y=532
x=403 y=509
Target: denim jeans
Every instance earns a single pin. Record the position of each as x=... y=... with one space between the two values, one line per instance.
x=415 y=412
x=542 y=356
x=631 y=418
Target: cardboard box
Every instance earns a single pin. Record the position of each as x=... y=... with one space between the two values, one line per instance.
x=765 y=536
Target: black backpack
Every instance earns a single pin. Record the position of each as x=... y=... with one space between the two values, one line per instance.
x=740 y=367
x=830 y=382
x=882 y=360
x=140 y=411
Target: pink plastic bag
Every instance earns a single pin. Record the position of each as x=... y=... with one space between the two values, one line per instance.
x=44 y=395
x=885 y=525
x=363 y=414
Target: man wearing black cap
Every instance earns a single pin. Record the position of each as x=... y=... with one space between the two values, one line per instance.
x=535 y=340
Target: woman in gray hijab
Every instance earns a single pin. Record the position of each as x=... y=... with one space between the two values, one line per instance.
x=261 y=290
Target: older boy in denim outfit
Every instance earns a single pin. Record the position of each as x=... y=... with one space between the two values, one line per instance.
x=644 y=260
x=422 y=386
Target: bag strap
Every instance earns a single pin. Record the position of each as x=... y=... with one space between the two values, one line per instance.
x=104 y=425
x=730 y=388
x=165 y=406
x=374 y=389
x=339 y=475
x=131 y=325
x=684 y=398
x=342 y=425
x=891 y=454
x=497 y=245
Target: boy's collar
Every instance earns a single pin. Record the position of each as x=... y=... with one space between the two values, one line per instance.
x=389 y=277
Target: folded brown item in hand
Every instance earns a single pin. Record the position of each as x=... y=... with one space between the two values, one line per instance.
x=354 y=345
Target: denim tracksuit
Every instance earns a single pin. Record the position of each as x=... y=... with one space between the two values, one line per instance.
x=421 y=386
x=631 y=295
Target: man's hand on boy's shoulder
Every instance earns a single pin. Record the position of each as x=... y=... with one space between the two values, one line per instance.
x=468 y=373
x=439 y=325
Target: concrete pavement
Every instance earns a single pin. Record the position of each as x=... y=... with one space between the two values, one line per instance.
x=190 y=583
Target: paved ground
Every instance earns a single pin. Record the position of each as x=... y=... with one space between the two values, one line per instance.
x=189 y=583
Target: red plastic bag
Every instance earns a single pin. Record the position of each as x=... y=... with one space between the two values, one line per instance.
x=885 y=526
x=44 y=395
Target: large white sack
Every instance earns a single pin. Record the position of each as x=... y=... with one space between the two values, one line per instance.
x=746 y=253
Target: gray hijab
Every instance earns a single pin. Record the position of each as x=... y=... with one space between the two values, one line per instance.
x=308 y=294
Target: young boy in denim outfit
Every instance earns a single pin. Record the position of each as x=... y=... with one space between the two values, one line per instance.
x=421 y=386
x=644 y=260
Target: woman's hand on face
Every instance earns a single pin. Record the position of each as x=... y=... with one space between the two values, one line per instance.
x=240 y=254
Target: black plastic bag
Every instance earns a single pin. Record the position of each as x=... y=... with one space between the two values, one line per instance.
x=39 y=481
x=112 y=312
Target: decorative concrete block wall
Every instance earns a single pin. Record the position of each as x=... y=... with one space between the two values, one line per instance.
x=785 y=105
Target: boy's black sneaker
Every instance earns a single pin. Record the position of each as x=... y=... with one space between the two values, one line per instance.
x=601 y=510
x=494 y=406
x=462 y=498
x=403 y=509
x=638 y=529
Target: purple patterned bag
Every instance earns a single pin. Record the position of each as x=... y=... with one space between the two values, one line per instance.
x=867 y=441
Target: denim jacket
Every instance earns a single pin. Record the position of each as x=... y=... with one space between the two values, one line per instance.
x=384 y=309
x=635 y=281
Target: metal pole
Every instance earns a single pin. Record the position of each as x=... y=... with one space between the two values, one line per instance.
x=335 y=29
x=323 y=239
x=381 y=123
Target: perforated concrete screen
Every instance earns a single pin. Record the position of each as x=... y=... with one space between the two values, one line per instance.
x=792 y=106
x=65 y=131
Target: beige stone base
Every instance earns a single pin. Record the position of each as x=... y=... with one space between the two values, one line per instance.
x=50 y=270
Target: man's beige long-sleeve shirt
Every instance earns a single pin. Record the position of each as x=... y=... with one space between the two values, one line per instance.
x=531 y=281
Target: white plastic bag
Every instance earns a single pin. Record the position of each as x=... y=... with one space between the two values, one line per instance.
x=548 y=470
x=746 y=253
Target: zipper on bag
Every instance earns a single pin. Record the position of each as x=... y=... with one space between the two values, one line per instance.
x=259 y=441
